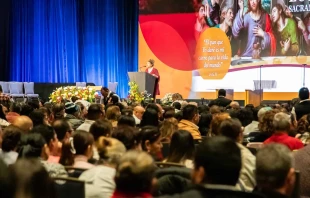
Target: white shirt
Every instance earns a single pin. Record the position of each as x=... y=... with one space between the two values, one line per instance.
x=86 y=125
x=8 y=157
x=137 y=120
x=149 y=70
x=253 y=127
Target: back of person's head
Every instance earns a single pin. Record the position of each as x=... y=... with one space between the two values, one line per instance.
x=11 y=138
x=282 y=122
x=231 y=128
x=135 y=173
x=274 y=168
x=190 y=113
x=127 y=111
x=126 y=120
x=303 y=93
x=37 y=117
x=215 y=110
x=110 y=150
x=31 y=146
x=71 y=108
x=255 y=113
x=149 y=118
x=58 y=111
x=177 y=105
x=129 y=136
x=245 y=116
x=6 y=189
x=95 y=112
x=169 y=112
x=168 y=127
x=62 y=128
x=24 y=123
x=150 y=135
x=217 y=161
x=153 y=106
x=182 y=147
x=261 y=113
x=113 y=112
x=101 y=128
x=47 y=132
x=16 y=107
x=26 y=109
x=266 y=122
x=234 y=105
x=30 y=179
x=81 y=144
x=222 y=92
x=178 y=116
x=303 y=124
x=216 y=122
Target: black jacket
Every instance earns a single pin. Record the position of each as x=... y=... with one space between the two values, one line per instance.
x=302 y=109
x=172 y=180
x=202 y=192
x=221 y=101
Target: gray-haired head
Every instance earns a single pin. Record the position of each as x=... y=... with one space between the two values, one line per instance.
x=274 y=168
x=282 y=122
x=262 y=112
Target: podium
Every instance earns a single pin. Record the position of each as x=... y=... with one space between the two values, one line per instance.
x=145 y=81
x=229 y=93
x=253 y=97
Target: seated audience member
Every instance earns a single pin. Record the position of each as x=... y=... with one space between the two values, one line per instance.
x=6 y=188
x=95 y=112
x=38 y=118
x=275 y=175
x=253 y=126
x=134 y=175
x=182 y=148
x=48 y=115
x=203 y=109
x=100 y=180
x=51 y=140
x=221 y=101
x=79 y=151
x=98 y=129
x=3 y=121
x=216 y=122
x=178 y=116
x=151 y=141
x=217 y=165
x=127 y=111
x=265 y=126
x=234 y=105
x=30 y=179
x=282 y=124
x=73 y=113
x=15 y=109
x=63 y=130
x=126 y=120
x=245 y=116
x=190 y=121
x=34 y=145
x=232 y=129
x=214 y=110
x=204 y=123
x=155 y=107
x=83 y=110
x=169 y=112
x=10 y=140
x=58 y=111
x=167 y=128
x=177 y=106
x=112 y=114
x=138 y=113
x=303 y=107
x=150 y=118
x=303 y=129
x=129 y=136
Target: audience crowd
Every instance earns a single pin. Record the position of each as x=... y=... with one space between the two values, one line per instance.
x=179 y=150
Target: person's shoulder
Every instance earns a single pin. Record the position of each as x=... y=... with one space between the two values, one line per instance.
x=290 y=22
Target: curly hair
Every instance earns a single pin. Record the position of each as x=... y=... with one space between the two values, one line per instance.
x=216 y=122
x=266 y=123
x=303 y=124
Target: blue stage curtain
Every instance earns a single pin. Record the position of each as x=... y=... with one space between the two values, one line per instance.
x=63 y=41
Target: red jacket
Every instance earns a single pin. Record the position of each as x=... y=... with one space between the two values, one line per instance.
x=118 y=194
x=283 y=138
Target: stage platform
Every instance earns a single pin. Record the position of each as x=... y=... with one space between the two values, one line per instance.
x=45 y=89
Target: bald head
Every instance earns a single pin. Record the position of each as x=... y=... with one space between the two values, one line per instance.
x=24 y=123
x=234 y=105
x=138 y=112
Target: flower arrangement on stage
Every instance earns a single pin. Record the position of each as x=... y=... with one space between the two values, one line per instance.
x=167 y=99
x=136 y=96
x=66 y=93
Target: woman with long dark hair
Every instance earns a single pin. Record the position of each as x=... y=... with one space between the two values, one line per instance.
x=150 y=118
x=182 y=148
x=151 y=141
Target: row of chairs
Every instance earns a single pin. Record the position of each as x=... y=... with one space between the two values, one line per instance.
x=19 y=89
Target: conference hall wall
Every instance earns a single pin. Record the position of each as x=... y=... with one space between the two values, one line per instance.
x=199 y=46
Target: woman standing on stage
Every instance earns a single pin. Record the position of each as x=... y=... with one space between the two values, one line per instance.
x=153 y=71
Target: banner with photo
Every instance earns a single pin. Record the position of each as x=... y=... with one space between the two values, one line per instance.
x=201 y=45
